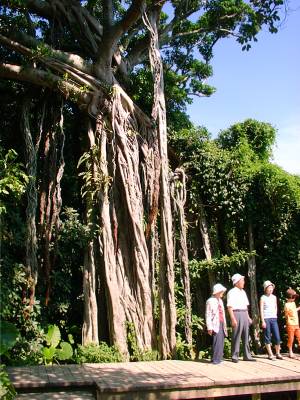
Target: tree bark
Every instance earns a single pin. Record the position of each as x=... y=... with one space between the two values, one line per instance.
x=90 y=314
x=167 y=296
x=253 y=289
x=50 y=189
x=208 y=251
x=179 y=197
x=124 y=251
x=31 y=150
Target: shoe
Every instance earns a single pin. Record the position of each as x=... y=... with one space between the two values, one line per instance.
x=216 y=362
x=279 y=357
x=235 y=360
x=272 y=358
x=249 y=359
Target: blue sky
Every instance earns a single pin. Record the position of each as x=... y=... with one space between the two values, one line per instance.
x=263 y=84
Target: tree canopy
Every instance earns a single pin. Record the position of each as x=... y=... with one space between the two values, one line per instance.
x=75 y=47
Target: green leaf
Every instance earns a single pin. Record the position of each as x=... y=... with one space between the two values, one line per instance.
x=48 y=353
x=65 y=352
x=53 y=336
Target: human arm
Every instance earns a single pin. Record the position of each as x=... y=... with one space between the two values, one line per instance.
x=209 y=317
x=232 y=317
x=262 y=317
x=249 y=319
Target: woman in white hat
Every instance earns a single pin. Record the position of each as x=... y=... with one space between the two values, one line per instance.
x=216 y=322
x=268 y=314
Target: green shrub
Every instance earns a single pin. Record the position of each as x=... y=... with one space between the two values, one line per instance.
x=26 y=352
x=97 y=353
x=227 y=347
x=8 y=337
x=7 y=391
x=183 y=350
x=135 y=353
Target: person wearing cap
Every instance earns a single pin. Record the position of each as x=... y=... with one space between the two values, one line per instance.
x=292 y=320
x=216 y=322
x=237 y=305
x=268 y=314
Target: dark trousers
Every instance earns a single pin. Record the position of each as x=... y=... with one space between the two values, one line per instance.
x=241 y=331
x=218 y=345
x=271 y=329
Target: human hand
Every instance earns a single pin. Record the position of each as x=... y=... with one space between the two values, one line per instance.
x=263 y=325
x=210 y=332
x=233 y=323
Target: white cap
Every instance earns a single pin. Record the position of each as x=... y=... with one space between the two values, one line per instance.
x=267 y=284
x=217 y=288
x=236 y=277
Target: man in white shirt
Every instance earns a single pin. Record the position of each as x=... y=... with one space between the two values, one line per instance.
x=237 y=304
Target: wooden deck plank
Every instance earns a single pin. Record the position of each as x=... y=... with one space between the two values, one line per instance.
x=76 y=395
x=172 y=380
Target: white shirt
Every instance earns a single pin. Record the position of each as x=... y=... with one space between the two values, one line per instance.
x=212 y=315
x=237 y=299
x=269 y=306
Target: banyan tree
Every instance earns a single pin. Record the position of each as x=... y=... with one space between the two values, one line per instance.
x=86 y=53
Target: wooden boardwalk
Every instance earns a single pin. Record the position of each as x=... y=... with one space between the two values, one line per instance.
x=160 y=379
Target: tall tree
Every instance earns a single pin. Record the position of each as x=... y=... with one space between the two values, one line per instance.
x=87 y=51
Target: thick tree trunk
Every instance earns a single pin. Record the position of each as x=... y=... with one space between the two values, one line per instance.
x=108 y=243
x=50 y=192
x=124 y=251
x=179 y=197
x=150 y=179
x=167 y=296
x=253 y=289
x=31 y=150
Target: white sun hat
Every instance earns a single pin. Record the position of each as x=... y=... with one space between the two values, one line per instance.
x=236 y=277
x=267 y=284
x=217 y=288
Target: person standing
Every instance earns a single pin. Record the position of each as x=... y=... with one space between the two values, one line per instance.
x=216 y=322
x=237 y=305
x=292 y=319
x=268 y=314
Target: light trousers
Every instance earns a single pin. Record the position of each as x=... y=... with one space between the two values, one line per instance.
x=241 y=331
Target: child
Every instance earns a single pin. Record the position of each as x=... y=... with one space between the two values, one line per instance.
x=268 y=314
x=292 y=320
x=216 y=322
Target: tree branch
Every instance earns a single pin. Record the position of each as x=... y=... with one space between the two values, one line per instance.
x=74 y=16
x=32 y=45
x=47 y=79
x=108 y=14
x=41 y=8
x=132 y=15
